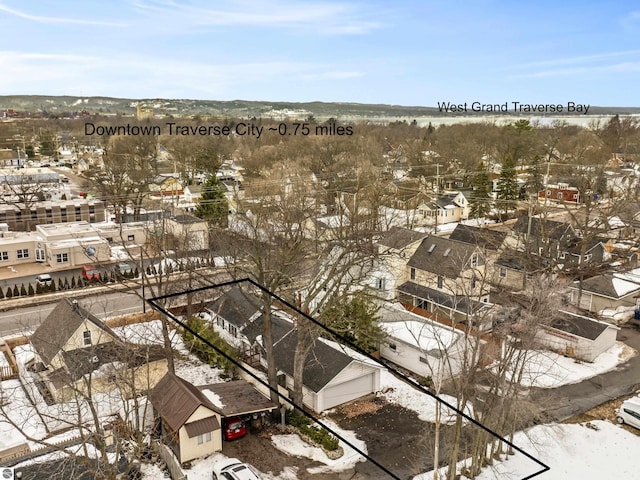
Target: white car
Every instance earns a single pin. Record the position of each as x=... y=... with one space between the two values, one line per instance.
x=234 y=469
x=629 y=412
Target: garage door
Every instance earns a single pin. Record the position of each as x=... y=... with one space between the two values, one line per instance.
x=347 y=391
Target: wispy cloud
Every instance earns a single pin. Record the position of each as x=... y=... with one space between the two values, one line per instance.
x=631 y=21
x=592 y=70
x=56 y=20
x=578 y=59
x=101 y=75
x=324 y=17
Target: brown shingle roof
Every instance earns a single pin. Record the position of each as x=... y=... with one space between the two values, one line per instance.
x=202 y=426
x=55 y=331
x=176 y=399
x=239 y=398
x=483 y=237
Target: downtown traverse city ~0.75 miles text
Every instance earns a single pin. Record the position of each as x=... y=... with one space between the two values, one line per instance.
x=239 y=129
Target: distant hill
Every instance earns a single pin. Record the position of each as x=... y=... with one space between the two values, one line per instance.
x=56 y=105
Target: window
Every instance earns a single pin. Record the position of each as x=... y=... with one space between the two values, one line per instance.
x=632 y=413
x=412 y=273
x=23 y=253
x=233 y=330
x=424 y=360
x=440 y=281
x=4 y=256
x=200 y=439
x=40 y=256
x=204 y=438
x=559 y=195
x=34 y=215
x=575 y=196
x=77 y=211
x=131 y=238
x=503 y=272
x=86 y=337
x=63 y=213
x=548 y=192
x=62 y=257
x=587 y=257
x=92 y=209
x=393 y=346
x=473 y=282
x=380 y=283
x=474 y=260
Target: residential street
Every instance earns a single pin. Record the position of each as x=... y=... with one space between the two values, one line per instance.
x=569 y=400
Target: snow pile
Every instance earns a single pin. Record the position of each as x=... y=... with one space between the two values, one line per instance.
x=549 y=370
x=617 y=315
x=213 y=398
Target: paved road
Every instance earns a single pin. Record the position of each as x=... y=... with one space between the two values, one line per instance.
x=569 y=400
x=103 y=305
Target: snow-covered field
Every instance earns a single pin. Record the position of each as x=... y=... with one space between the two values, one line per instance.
x=549 y=370
x=571 y=451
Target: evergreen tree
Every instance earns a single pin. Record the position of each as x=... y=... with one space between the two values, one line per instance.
x=1 y=293
x=23 y=290
x=9 y=293
x=31 y=292
x=16 y=291
x=480 y=203
x=357 y=321
x=534 y=182
x=508 y=188
x=213 y=206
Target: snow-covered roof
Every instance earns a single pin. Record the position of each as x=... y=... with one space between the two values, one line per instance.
x=415 y=330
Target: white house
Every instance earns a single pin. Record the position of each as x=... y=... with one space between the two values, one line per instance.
x=420 y=345
x=578 y=336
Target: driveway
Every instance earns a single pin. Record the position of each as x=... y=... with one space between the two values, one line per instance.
x=569 y=400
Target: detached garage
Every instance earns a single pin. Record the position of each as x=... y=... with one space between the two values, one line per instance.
x=578 y=336
x=333 y=374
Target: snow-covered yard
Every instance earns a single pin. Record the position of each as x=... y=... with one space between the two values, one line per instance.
x=571 y=451
x=549 y=370
x=397 y=391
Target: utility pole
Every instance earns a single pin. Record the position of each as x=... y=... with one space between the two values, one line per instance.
x=144 y=301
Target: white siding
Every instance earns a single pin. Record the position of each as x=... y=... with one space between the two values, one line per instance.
x=337 y=394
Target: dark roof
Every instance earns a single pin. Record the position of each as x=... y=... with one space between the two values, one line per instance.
x=279 y=327
x=239 y=398
x=458 y=303
x=56 y=330
x=578 y=325
x=542 y=228
x=82 y=361
x=521 y=261
x=603 y=285
x=202 y=426
x=483 y=237
x=399 y=238
x=236 y=306
x=323 y=362
x=442 y=256
x=186 y=219
x=175 y=400
x=446 y=199
x=575 y=245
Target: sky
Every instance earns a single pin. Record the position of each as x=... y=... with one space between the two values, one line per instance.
x=402 y=52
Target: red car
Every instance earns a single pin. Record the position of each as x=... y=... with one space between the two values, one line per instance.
x=234 y=428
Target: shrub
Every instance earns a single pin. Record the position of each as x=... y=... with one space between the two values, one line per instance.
x=316 y=433
x=203 y=351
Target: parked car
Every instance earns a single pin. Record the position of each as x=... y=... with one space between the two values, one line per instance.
x=44 y=280
x=629 y=412
x=233 y=428
x=90 y=273
x=124 y=269
x=234 y=469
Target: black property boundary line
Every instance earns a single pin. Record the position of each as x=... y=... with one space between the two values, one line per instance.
x=153 y=302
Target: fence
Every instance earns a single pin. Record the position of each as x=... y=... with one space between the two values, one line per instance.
x=172 y=463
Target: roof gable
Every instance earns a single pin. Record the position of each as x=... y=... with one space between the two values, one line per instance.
x=322 y=365
x=236 y=306
x=175 y=400
x=543 y=228
x=56 y=330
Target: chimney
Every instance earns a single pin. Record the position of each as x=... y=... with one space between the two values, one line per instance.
x=74 y=304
